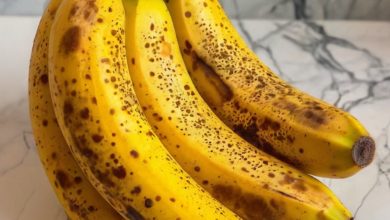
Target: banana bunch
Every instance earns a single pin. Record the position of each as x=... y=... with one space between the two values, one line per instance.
x=128 y=107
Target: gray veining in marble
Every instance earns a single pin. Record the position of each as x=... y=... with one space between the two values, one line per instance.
x=310 y=9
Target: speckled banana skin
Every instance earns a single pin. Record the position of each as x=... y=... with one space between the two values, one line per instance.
x=78 y=197
x=102 y=121
x=246 y=180
x=277 y=118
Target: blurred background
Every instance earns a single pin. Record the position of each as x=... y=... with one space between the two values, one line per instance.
x=252 y=9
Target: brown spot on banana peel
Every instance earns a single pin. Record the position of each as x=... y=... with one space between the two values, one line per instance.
x=119 y=172
x=71 y=40
x=136 y=190
x=68 y=109
x=44 y=78
x=97 y=138
x=84 y=114
x=148 y=203
x=62 y=179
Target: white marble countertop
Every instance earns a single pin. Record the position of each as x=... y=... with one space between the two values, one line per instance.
x=345 y=63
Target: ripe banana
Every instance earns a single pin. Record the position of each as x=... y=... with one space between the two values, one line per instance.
x=277 y=118
x=78 y=197
x=102 y=122
x=248 y=181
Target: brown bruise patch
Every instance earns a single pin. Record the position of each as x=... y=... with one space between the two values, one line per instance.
x=249 y=132
x=45 y=123
x=62 y=179
x=248 y=206
x=119 y=172
x=44 y=79
x=71 y=40
x=310 y=113
x=84 y=114
x=54 y=156
x=270 y=124
x=78 y=179
x=296 y=183
x=68 y=109
x=97 y=138
x=315 y=118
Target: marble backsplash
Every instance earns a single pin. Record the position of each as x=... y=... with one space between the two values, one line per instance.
x=254 y=9
x=309 y=9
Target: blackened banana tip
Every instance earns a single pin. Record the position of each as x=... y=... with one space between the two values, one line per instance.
x=363 y=151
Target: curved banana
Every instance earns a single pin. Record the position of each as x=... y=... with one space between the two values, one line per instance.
x=277 y=118
x=251 y=183
x=78 y=197
x=102 y=122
